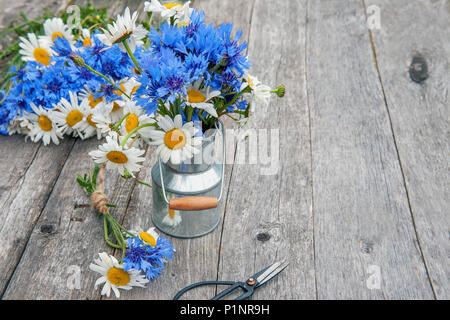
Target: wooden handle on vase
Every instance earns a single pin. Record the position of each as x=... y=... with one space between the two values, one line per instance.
x=193 y=203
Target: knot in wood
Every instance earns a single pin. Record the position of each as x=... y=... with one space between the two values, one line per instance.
x=263 y=236
x=418 y=70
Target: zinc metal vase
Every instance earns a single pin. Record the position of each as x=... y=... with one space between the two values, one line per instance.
x=186 y=197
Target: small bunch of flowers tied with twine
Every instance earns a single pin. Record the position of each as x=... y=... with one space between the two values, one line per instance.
x=133 y=84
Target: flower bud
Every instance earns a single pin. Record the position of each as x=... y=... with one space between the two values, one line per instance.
x=281 y=90
x=79 y=61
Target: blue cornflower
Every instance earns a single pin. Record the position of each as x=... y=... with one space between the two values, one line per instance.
x=107 y=91
x=164 y=78
x=62 y=47
x=232 y=51
x=197 y=66
x=196 y=21
x=227 y=79
x=149 y=259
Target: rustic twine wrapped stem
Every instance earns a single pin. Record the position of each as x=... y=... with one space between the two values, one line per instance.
x=99 y=200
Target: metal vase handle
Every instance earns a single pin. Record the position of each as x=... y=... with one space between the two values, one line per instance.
x=196 y=203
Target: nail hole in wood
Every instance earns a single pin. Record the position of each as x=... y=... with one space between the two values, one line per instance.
x=366 y=246
x=263 y=236
x=418 y=70
x=47 y=228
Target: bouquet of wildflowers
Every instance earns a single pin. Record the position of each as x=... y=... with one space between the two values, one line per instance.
x=134 y=85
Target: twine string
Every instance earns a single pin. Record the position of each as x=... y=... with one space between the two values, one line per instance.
x=99 y=200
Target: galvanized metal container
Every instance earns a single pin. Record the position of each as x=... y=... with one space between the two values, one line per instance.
x=186 y=197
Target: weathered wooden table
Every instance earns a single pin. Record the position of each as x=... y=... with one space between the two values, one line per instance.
x=359 y=204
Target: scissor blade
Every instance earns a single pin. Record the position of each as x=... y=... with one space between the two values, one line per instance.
x=271 y=272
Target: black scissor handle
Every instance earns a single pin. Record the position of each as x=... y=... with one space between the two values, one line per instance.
x=203 y=283
x=246 y=295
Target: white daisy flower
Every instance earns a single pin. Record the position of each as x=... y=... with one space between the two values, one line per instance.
x=91 y=129
x=124 y=28
x=102 y=118
x=129 y=86
x=43 y=126
x=114 y=276
x=150 y=236
x=175 y=141
x=55 y=28
x=34 y=49
x=198 y=98
x=115 y=155
x=20 y=125
x=172 y=219
x=71 y=116
x=167 y=10
x=135 y=118
x=86 y=36
x=260 y=92
x=86 y=93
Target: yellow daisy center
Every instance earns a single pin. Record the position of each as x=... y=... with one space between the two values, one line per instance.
x=42 y=56
x=131 y=122
x=175 y=139
x=94 y=102
x=148 y=238
x=117 y=157
x=87 y=42
x=171 y=5
x=56 y=35
x=195 y=96
x=118 y=276
x=45 y=123
x=73 y=117
x=89 y=120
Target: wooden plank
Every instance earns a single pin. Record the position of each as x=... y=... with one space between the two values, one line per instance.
x=269 y=214
x=195 y=259
x=64 y=237
x=420 y=119
x=25 y=193
x=29 y=170
x=67 y=237
x=362 y=221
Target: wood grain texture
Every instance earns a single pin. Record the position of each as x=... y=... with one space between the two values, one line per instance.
x=67 y=236
x=269 y=214
x=31 y=179
x=62 y=236
x=29 y=169
x=420 y=119
x=362 y=178
x=361 y=212
x=195 y=259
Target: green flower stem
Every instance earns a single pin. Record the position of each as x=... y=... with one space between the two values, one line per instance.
x=105 y=228
x=127 y=47
x=134 y=131
x=117 y=234
x=125 y=230
x=189 y=113
x=144 y=183
x=236 y=96
x=227 y=114
x=117 y=125
x=106 y=78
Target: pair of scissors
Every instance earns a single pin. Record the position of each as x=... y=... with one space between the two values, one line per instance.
x=249 y=286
